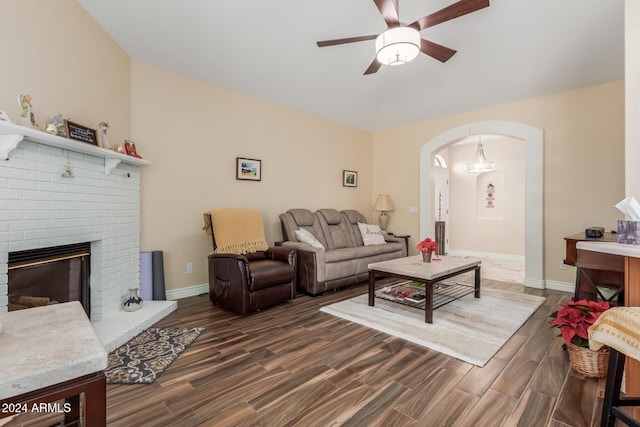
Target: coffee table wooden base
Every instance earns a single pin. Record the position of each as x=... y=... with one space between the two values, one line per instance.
x=428 y=306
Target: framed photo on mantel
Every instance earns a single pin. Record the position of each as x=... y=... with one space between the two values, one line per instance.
x=80 y=133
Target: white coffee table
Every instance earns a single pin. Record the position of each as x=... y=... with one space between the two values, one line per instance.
x=429 y=273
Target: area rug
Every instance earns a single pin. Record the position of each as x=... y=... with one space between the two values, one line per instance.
x=470 y=329
x=146 y=356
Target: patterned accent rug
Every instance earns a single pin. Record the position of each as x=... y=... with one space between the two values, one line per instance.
x=146 y=356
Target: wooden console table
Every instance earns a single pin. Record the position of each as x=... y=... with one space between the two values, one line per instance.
x=594 y=268
x=631 y=257
x=49 y=354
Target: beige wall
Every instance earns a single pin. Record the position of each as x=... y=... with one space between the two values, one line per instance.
x=472 y=225
x=55 y=52
x=583 y=162
x=632 y=100
x=193 y=131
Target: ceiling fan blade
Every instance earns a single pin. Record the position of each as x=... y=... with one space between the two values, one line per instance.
x=389 y=11
x=448 y=13
x=436 y=51
x=373 y=68
x=325 y=43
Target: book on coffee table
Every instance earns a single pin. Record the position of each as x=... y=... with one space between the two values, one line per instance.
x=419 y=297
x=411 y=291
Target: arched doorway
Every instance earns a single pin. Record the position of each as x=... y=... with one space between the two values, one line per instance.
x=534 y=187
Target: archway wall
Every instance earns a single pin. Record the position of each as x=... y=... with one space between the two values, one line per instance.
x=534 y=187
x=583 y=165
x=486 y=210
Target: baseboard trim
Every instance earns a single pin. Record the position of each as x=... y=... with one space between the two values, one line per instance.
x=477 y=254
x=561 y=286
x=189 y=291
x=534 y=283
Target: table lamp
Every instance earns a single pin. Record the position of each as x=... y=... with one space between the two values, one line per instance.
x=384 y=205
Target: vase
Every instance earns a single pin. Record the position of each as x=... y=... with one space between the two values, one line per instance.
x=592 y=363
x=134 y=302
x=426 y=256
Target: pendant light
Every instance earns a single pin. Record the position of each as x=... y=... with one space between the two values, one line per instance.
x=480 y=162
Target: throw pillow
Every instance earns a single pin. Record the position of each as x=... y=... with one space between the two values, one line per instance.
x=371 y=234
x=306 y=237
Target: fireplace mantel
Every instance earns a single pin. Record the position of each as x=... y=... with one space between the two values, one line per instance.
x=11 y=135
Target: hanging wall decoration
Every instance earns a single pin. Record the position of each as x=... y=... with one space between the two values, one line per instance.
x=490 y=196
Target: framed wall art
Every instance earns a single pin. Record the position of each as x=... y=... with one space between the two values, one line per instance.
x=248 y=169
x=349 y=178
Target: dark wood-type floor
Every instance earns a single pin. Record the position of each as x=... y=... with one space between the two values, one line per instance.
x=293 y=365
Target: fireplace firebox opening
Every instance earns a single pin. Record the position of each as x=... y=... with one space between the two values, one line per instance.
x=50 y=275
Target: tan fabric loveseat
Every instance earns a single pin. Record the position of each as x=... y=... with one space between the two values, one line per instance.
x=341 y=257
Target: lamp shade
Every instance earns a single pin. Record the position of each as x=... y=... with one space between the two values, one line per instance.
x=397 y=46
x=384 y=203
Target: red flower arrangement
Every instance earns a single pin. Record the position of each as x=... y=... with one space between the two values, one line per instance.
x=427 y=245
x=574 y=319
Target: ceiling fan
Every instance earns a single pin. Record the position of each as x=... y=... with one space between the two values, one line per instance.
x=401 y=43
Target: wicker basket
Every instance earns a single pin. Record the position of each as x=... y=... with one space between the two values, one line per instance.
x=588 y=362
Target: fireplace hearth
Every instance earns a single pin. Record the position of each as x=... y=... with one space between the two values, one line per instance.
x=50 y=275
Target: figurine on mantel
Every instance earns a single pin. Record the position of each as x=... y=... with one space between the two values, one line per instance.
x=4 y=117
x=56 y=125
x=27 y=118
x=103 y=128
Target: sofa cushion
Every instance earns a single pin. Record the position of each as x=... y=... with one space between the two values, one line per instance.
x=371 y=234
x=302 y=217
x=335 y=229
x=353 y=217
x=305 y=236
x=296 y=219
x=342 y=254
x=332 y=216
x=369 y=251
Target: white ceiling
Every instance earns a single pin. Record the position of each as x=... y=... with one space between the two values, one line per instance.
x=511 y=50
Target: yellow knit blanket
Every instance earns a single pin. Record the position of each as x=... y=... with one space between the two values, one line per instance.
x=237 y=230
x=619 y=328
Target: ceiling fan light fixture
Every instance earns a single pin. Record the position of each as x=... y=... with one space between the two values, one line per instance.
x=397 y=46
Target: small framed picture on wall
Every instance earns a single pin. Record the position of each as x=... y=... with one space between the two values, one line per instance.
x=349 y=178
x=248 y=169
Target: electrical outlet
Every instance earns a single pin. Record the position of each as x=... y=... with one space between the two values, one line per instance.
x=413 y=209
x=189 y=267
x=563 y=266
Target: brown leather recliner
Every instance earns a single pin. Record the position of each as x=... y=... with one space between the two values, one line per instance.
x=250 y=281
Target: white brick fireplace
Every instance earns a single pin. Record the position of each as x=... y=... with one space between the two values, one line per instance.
x=100 y=204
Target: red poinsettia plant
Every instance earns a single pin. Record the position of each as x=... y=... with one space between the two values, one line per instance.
x=427 y=245
x=575 y=317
